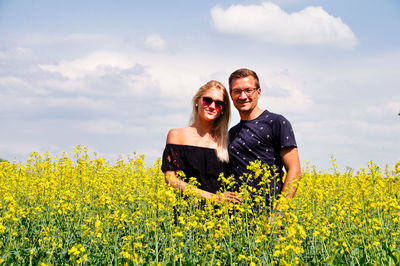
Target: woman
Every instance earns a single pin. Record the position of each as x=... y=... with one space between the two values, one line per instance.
x=200 y=150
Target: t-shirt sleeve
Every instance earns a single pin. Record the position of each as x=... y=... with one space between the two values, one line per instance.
x=172 y=159
x=286 y=135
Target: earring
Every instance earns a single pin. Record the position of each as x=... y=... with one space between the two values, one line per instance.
x=196 y=105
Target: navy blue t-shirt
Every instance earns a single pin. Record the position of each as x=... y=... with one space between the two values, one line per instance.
x=262 y=139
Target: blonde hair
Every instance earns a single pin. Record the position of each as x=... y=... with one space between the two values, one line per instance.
x=219 y=129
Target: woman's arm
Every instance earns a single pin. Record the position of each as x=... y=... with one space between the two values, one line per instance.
x=172 y=180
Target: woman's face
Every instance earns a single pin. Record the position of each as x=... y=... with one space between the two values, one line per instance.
x=211 y=104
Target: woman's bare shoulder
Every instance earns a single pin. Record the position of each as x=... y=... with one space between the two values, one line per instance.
x=178 y=135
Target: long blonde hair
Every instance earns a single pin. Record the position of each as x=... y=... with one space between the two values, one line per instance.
x=219 y=129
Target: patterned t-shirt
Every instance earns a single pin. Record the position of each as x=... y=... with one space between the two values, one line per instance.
x=262 y=139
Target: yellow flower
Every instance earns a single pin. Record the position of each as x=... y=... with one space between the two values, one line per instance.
x=137 y=245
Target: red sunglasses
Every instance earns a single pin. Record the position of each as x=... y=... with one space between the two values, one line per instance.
x=207 y=101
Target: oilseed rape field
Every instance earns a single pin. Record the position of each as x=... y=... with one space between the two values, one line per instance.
x=82 y=209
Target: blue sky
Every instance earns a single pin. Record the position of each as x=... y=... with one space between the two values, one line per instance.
x=116 y=76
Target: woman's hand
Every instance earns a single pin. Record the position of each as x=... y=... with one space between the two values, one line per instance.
x=232 y=197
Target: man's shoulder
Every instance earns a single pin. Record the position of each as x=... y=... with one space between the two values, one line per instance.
x=268 y=118
x=235 y=127
x=272 y=117
x=234 y=131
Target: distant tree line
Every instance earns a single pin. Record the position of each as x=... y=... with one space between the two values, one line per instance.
x=2 y=160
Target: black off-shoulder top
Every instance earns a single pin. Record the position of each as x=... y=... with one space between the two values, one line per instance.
x=199 y=162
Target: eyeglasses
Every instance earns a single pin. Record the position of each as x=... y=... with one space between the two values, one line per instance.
x=247 y=91
x=207 y=101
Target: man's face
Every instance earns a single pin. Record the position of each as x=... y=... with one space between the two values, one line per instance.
x=244 y=94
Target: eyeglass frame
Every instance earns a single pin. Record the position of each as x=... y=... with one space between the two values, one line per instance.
x=247 y=91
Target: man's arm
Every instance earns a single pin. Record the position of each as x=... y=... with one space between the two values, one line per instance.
x=291 y=161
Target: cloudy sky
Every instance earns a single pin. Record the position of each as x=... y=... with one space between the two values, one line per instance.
x=117 y=75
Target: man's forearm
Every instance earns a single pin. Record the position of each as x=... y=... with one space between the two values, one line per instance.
x=291 y=183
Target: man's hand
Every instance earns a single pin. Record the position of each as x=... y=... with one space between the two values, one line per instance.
x=274 y=216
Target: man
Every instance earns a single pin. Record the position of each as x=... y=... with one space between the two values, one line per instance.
x=261 y=135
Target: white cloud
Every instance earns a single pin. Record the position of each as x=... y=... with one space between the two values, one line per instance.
x=290 y=98
x=13 y=103
x=75 y=102
x=103 y=127
x=39 y=38
x=175 y=81
x=155 y=42
x=17 y=53
x=115 y=72
x=97 y=62
x=18 y=148
x=269 y=23
x=112 y=127
x=11 y=81
x=391 y=108
x=61 y=106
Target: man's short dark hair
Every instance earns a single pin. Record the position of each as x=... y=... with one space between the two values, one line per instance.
x=242 y=73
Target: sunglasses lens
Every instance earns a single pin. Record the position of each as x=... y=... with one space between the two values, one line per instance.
x=207 y=101
x=219 y=105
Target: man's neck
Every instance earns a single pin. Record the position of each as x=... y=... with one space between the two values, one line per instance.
x=250 y=115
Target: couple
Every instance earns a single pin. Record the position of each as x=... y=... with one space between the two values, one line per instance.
x=203 y=150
